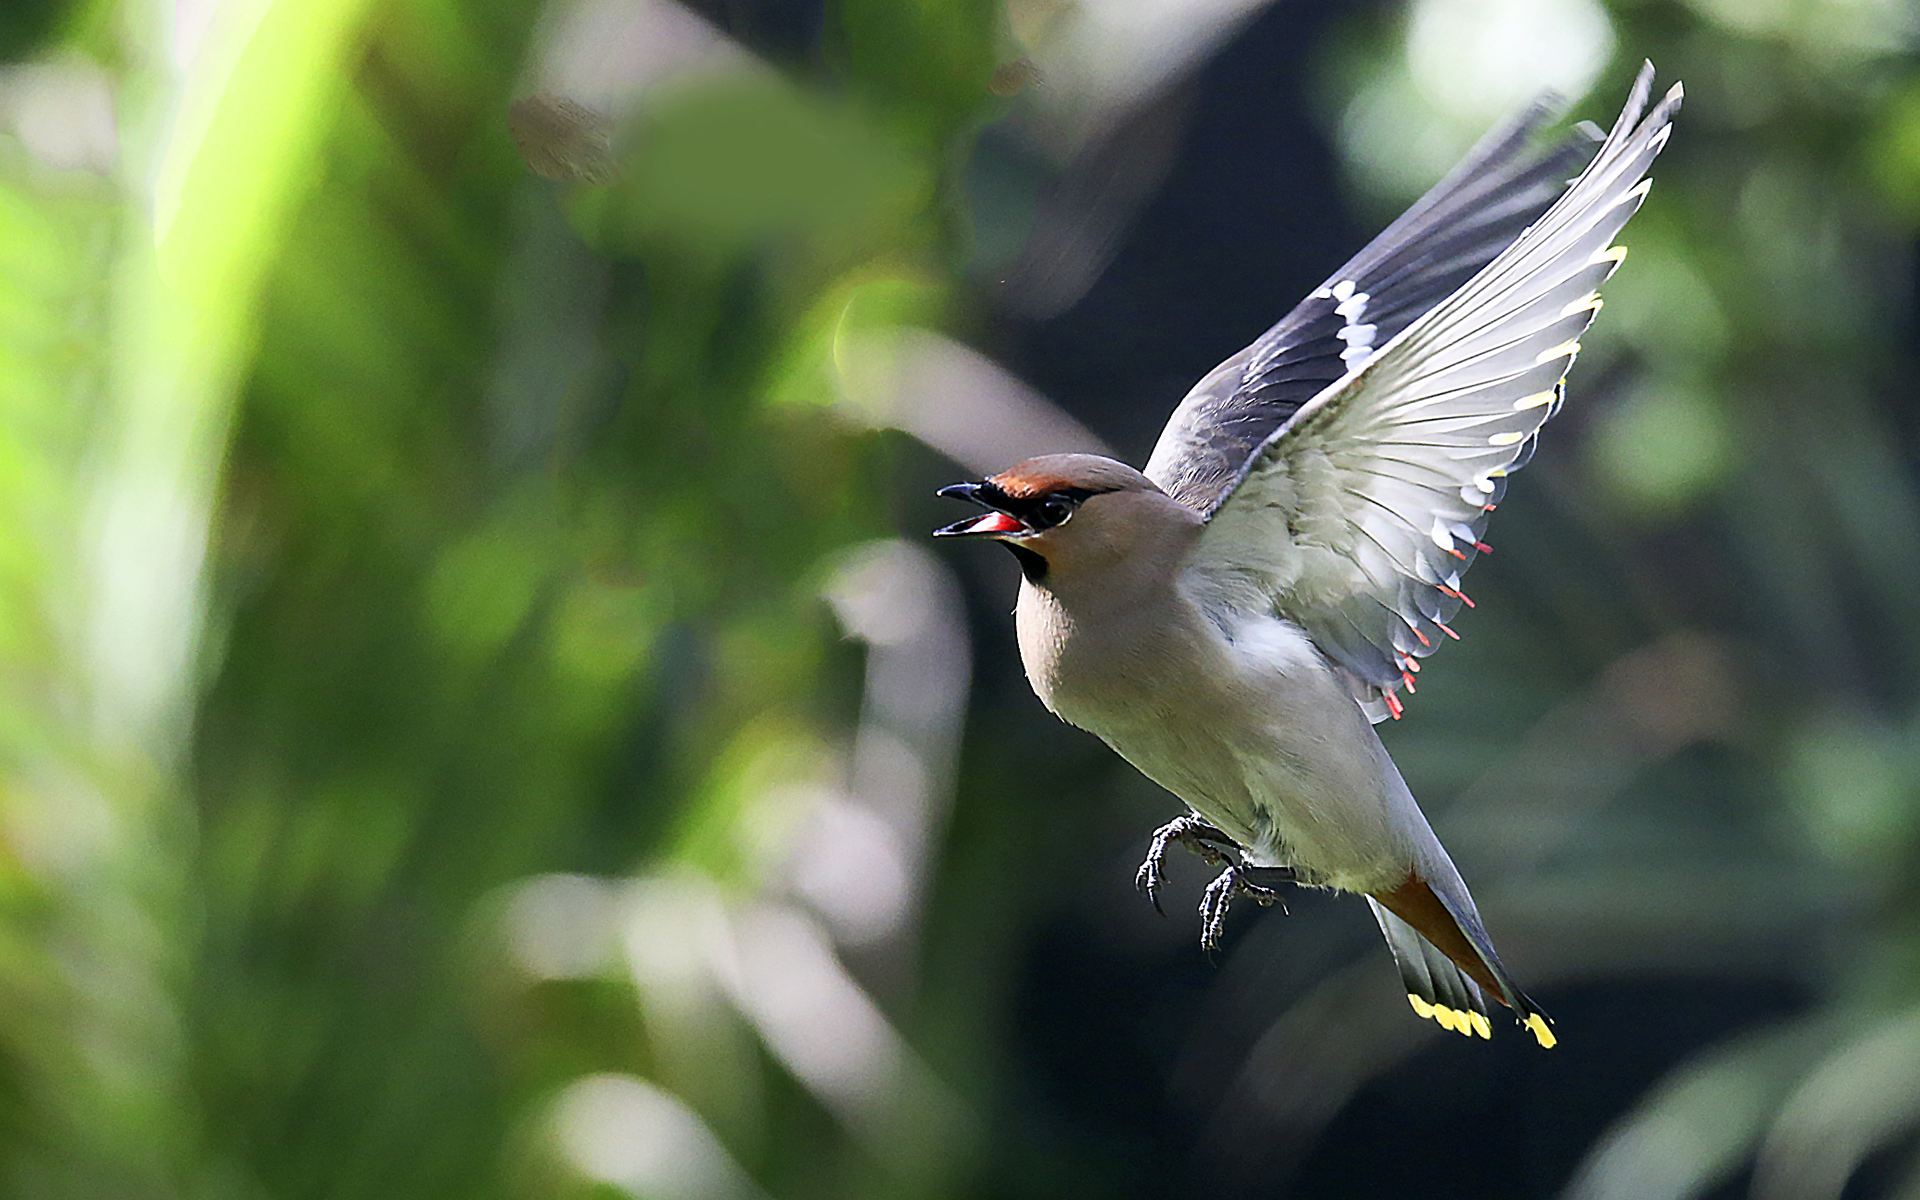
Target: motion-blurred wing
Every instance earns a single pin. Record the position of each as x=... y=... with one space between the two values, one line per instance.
x=1501 y=187
x=1357 y=518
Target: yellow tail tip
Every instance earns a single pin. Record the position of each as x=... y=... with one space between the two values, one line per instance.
x=1537 y=1025
x=1461 y=1021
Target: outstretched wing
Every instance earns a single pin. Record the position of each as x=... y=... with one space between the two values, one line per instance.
x=1501 y=187
x=1357 y=518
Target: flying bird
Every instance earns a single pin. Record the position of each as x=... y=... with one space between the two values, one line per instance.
x=1236 y=618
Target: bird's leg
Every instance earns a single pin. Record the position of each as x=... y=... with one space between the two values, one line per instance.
x=1237 y=880
x=1203 y=839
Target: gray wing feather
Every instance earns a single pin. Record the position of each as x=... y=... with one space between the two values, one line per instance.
x=1483 y=204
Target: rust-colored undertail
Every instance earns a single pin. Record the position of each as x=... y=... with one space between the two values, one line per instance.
x=1415 y=903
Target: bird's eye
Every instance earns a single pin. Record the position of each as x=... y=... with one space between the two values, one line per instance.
x=1053 y=510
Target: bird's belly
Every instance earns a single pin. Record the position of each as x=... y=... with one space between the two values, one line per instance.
x=1264 y=743
x=1284 y=807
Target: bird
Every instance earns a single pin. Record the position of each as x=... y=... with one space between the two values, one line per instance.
x=1236 y=618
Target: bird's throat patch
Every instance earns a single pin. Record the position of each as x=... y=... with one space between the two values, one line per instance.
x=1032 y=563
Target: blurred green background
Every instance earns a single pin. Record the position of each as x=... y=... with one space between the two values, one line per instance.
x=479 y=716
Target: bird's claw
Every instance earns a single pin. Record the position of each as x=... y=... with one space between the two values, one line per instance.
x=1236 y=880
x=1198 y=837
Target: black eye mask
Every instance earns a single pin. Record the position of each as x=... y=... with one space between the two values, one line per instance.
x=1043 y=511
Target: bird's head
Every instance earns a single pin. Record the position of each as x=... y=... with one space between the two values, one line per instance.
x=1073 y=511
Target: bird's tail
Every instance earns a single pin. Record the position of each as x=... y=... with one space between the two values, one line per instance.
x=1438 y=990
x=1448 y=964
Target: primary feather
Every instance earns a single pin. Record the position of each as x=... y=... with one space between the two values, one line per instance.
x=1503 y=185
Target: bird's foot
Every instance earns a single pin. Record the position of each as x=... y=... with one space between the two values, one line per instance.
x=1237 y=880
x=1203 y=839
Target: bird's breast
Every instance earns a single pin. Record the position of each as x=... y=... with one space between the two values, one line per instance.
x=1163 y=659
x=1096 y=664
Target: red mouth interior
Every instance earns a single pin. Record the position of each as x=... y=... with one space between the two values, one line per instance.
x=994 y=522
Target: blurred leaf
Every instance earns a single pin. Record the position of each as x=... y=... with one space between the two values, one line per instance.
x=1661 y=451
x=1696 y=1129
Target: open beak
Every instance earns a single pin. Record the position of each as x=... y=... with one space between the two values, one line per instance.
x=993 y=523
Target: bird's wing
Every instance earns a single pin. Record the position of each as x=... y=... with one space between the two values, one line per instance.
x=1501 y=187
x=1358 y=516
